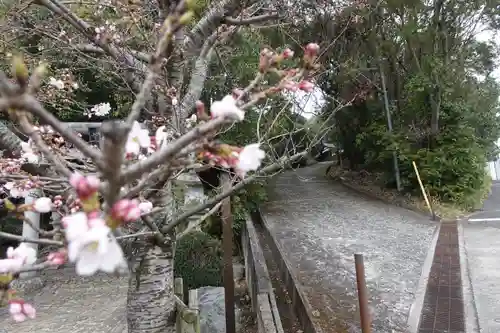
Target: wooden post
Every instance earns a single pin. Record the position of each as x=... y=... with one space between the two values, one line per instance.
x=364 y=313
x=179 y=288
x=194 y=306
x=424 y=193
x=227 y=245
x=179 y=292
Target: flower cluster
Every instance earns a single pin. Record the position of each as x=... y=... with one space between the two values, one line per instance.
x=98 y=110
x=91 y=243
x=242 y=160
x=16 y=259
x=20 y=189
x=29 y=153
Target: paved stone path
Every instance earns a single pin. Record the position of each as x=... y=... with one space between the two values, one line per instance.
x=480 y=235
x=69 y=303
x=322 y=224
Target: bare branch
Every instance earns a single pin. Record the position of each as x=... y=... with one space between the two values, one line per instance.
x=29 y=240
x=250 y=20
x=269 y=169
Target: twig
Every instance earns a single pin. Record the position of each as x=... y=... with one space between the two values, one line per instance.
x=200 y=220
x=138 y=234
x=154 y=228
x=270 y=168
x=23 y=239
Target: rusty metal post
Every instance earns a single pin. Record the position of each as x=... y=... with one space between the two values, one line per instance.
x=364 y=312
x=227 y=245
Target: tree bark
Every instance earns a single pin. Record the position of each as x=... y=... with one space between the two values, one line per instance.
x=150 y=299
x=9 y=142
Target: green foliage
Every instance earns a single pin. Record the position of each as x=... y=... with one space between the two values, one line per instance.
x=246 y=201
x=443 y=102
x=243 y=202
x=452 y=164
x=198 y=260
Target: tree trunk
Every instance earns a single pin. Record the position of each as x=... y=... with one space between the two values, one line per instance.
x=150 y=299
x=9 y=142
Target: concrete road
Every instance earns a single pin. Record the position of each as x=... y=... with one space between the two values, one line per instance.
x=321 y=225
x=480 y=235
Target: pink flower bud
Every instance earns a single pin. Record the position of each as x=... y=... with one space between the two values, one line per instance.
x=57 y=201
x=153 y=145
x=126 y=210
x=287 y=53
x=57 y=258
x=200 y=107
x=306 y=86
x=290 y=85
x=84 y=186
x=237 y=93
x=312 y=49
x=20 y=310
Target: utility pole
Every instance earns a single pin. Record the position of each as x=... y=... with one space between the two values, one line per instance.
x=389 y=125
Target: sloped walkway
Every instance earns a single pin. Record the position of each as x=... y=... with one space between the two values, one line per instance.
x=321 y=225
x=68 y=303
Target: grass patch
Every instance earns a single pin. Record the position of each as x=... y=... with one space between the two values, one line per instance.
x=372 y=184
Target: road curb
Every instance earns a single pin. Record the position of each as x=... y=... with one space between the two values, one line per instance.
x=470 y=310
x=415 y=313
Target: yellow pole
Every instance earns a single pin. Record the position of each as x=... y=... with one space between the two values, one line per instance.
x=423 y=189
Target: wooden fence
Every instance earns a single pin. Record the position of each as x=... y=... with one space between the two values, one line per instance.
x=300 y=303
x=259 y=282
x=188 y=316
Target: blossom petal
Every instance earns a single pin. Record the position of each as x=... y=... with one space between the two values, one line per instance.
x=42 y=205
x=114 y=258
x=18 y=317
x=29 y=310
x=75 y=225
x=10 y=265
x=15 y=308
x=144 y=139
x=74 y=250
x=26 y=147
x=88 y=263
x=132 y=147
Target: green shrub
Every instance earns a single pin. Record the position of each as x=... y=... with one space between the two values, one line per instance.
x=198 y=260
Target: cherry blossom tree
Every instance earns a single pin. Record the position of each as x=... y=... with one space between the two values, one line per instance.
x=121 y=191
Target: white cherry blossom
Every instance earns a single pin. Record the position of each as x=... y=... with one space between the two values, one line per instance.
x=17 y=258
x=59 y=84
x=145 y=207
x=191 y=121
x=24 y=252
x=99 y=110
x=28 y=153
x=42 y=205
x=249 y=159
x=138 y=138
x=10 y=266
x=91 y=245
x=227 y=108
